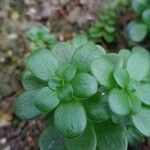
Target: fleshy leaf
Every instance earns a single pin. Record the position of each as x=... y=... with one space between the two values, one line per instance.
x=146 y=16
x=55 y=83
x=87 y=141
x=79 y=40
x=46 y=100
x=84 y=55
x=42 y=63
x=63 y=52
x=51 y=140
x=103 y=72
x=31 y=82
x=84 y=85
x=66 y=93
x=24 y=106
x=118 y=102
x=111 y=136
x=122 y=77
x=96 y=108
x=143 y=93
x=142 y=121
x=138 y=64
x=70 y=119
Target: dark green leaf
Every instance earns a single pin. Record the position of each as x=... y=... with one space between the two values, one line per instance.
x=42 y=63
x=87 y=141
x=118 y=102
x=84 y=55
x=70 y=119
x=84 y=85
x=24 y=106
x=146 y=16
x=111 y=136
x=46 y=100
x=31 y=82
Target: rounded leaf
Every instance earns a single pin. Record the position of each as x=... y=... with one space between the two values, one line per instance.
x=138 y=64
x=146 y=16
x=111 y=136
x=46 y=100
x=70 y=119
x=122 y=77
x=24 y=106
x=142 y=121
x=87 y=141
x=118 y=102
x=42 y=63
x=51 y=140
x=84 y=55
x=84 y=85
x=103 y=72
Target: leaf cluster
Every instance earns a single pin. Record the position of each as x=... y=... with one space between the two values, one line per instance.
x=91 y=99
x=139 y=29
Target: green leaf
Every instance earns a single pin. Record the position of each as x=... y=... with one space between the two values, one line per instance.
x=24 y=106
x=103 y=72
x=122 y=77
x=87 y=141
x=142 y=121
x=143 y=93
x=135 y=103
x=55 y=84
x=125 y=53
x=84 y=85
x=138 y=64
x=101 y=49
x=31 y=82
x=111 y=136
x=66 y=93
x=138 y=32
x=42 y=63
x=46 y=100
x=79 y=40
x=146 y=16
x=84 y=55
x=118 y=102
x=96 y=108
x=51 y=140
x=63 y=52
x=70 y=119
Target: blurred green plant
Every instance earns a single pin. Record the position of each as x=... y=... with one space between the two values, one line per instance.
x=91 y=99
x=105 y=28
x=139 y=29
x=40 y=36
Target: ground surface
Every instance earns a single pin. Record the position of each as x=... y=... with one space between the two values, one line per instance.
x=66 y=17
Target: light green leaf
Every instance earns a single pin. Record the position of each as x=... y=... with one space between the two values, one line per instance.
x=84 y=85
x=103 y=72
x=138 y=64
x=101 y=49
x=122 y=77
x=55 y=84
x=63 y=52
x=84 y=55
x=46 y=100
x=79 y=40
x=51 y=140
x=111 y=136
x=31 y=82
x=118 y=102
x=66 y=93
x=42 y=63
x=138 y=32
x=142 y=121
x=96 y=107
x=24 y=106
x=87 y=141
x=70 y=119
x=146 y=16
x=143 y=93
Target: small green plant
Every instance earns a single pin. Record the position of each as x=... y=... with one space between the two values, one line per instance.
x=90 y=99
x=105 y=28
x=41 y=36
x=139 y=29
